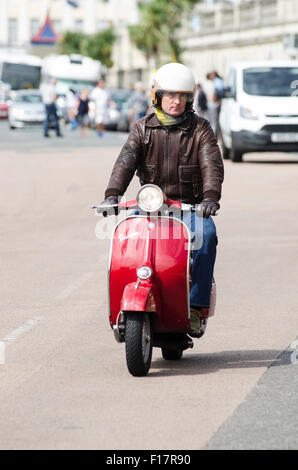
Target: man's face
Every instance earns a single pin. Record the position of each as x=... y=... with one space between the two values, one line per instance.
x=173 y=103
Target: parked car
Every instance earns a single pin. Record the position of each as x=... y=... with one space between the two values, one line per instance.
x=259 y=111
x=120 y=121
x=117 y=114
x=4 y=105
x=27 y=109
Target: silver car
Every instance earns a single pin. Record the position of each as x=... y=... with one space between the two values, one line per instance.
x=27 y=109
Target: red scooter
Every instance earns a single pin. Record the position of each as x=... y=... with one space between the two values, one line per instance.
x=149 y=279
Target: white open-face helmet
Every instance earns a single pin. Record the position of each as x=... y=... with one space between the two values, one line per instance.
x=173 y=77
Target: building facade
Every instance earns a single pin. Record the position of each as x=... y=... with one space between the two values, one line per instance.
x=221 y=33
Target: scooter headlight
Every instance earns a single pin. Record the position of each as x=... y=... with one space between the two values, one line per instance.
x=144 y=272
x=150 y=198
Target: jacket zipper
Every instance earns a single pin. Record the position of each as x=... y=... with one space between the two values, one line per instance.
x=167 y=162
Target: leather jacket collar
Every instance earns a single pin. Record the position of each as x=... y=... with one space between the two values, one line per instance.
x=152 y=121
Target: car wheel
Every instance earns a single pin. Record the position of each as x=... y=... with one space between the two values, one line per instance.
x=236 y=154
x=225 y=151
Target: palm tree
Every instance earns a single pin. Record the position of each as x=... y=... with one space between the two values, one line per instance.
x=156 y=33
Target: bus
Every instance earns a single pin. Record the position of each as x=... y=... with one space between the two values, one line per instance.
x=19 y=71
x=72 y=72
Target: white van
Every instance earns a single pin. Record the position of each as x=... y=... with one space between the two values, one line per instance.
x=259 y=111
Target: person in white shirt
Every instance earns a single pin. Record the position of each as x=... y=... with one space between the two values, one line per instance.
x=100 y=96
x=49 y=97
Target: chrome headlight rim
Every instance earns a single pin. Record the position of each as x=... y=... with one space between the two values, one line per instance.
x=159 y=193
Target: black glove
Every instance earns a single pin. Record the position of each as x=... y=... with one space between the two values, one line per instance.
x=109 y=201
x=210 y=206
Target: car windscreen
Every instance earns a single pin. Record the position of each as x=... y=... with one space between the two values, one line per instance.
x=270 y=81
x=32 y=99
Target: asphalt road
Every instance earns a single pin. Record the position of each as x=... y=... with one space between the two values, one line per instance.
x=63 y=378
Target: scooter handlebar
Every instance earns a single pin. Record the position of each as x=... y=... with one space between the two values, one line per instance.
x=115 y=208
x=171 y=205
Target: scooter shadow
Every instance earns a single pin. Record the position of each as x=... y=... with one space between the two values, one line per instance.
x=205 y=363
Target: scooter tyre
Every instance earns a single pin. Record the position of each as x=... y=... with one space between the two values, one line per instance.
x=138 y=343
x=171 y=354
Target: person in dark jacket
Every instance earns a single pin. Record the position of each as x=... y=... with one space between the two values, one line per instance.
x=200 y=104
x=82 y=113
x=177 y=150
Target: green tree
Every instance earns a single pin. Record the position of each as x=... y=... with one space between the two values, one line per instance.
x=157 y=32
x=71 y=43
x=98 y=46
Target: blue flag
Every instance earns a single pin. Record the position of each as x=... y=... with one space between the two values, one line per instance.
x=73 y=3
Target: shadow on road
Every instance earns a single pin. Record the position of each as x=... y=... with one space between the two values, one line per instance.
x=193 y=364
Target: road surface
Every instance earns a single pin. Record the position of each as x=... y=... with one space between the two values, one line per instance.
x=63 y=378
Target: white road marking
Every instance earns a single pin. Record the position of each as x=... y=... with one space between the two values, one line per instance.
x=15 y=334
x=73 y=286
x=21 y=330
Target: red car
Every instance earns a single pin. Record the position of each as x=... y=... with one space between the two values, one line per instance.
x=3 y=107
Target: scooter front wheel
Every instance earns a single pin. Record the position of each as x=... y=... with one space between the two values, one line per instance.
x=138 y=343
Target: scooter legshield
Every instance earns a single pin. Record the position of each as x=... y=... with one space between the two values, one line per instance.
x=162 y=243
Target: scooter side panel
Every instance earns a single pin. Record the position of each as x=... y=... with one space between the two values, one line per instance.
x=162 y=243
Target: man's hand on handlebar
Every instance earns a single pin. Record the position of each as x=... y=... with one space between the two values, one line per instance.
x=108 y=206
x=210 y=207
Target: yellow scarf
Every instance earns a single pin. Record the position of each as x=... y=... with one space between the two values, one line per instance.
x=168 y=120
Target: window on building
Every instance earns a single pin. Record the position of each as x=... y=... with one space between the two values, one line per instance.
x=34 y=26
x=57 y=26
x=12 y=31
x=102 y=24
x=79 y=26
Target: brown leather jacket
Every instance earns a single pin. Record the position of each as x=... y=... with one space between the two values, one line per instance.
x=183 y=160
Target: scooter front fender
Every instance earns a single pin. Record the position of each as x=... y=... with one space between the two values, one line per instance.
x=139 y=297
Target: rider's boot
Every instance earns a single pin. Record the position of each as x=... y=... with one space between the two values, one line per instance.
x=198 y=321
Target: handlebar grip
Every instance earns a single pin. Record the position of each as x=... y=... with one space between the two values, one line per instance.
x=107 y=210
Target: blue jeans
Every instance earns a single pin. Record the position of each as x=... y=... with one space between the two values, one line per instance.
x=204 y=240
x=204 y=243
x=51 y=113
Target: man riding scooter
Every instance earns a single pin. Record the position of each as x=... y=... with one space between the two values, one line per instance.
x=177 y=150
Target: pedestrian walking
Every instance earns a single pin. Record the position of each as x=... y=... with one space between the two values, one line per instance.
x=82 y=113
x=49 y=97
x=100 y=96
x=200 y=104
x=213 y=102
